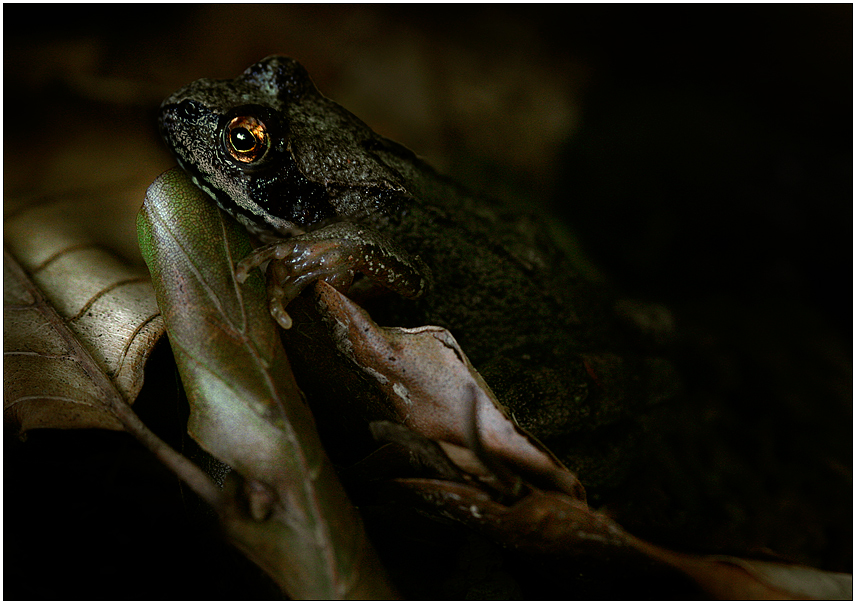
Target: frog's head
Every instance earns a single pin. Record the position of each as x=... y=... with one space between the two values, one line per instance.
x=232 y=137
x=270 y=149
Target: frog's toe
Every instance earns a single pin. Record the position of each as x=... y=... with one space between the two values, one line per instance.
x=245 y=266
x=278 y=312
x=274 y=251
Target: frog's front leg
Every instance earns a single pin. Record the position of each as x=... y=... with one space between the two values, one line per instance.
x=334 y=254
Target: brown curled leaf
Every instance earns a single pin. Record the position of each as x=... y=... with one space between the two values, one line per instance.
x=422 y=453
x=431 y=387
x=554 y=524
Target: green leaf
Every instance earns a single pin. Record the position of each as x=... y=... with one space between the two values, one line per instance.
x=289 y=513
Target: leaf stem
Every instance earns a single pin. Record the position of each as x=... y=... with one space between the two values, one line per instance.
x=185 y=469
x=113 y=400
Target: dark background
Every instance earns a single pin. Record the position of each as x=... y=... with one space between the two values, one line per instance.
x=701 y=156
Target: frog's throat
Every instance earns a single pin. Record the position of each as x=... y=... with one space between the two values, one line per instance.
x=258 y=222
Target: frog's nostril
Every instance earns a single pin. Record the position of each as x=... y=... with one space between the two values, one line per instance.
x=188 y=110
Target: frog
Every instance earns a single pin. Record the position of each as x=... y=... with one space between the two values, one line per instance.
x=327 y=198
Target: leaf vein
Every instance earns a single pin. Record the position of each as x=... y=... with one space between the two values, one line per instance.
x=56 y=255
x=105 y=291
x=130 y=340
x=178 y=242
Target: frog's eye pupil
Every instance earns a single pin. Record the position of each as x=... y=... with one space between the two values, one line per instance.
x=242 y=140
x=246 y=139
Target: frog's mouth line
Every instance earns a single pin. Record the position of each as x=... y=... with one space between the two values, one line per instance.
x=258 y=222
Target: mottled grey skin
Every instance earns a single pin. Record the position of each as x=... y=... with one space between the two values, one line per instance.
x=543 y=338
x=324 y=162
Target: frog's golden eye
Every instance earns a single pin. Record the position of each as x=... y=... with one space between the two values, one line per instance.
x=246 y=138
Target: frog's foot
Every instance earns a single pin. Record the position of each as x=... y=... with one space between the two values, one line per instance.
x=334 y=254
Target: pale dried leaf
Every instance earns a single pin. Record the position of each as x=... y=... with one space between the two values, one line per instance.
x=106 y=304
